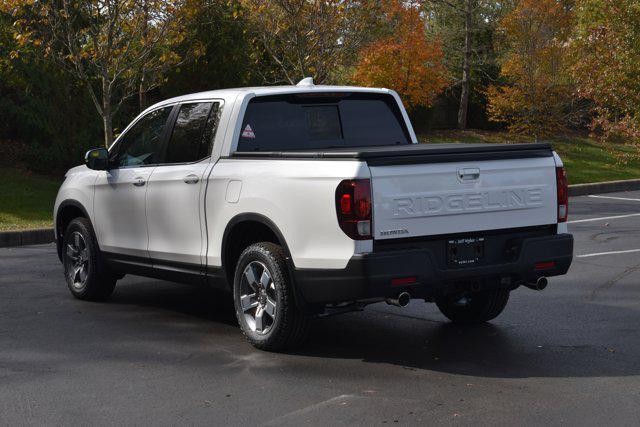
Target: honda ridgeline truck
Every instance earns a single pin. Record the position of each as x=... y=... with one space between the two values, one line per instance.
x=306 y=200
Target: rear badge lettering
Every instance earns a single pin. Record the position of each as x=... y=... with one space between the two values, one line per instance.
x=468 y=202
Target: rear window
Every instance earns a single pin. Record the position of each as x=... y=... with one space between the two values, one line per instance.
x=317 y=121
x=191 y=138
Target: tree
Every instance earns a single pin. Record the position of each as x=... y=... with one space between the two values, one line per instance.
x=293 y=39
x=218 y=31
x=466 y=29
x=537 y=97
x=116 y=48
x=607 y=46
x=404 y=60
x=41 y=107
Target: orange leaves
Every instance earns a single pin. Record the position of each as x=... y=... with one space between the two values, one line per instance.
x=293 y=39
x=13 y=6
x=558 y=56
x=122 y=47
x=538 y=87
x=607 y=47
x=404 y=61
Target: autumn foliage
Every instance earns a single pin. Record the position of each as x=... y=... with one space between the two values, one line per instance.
x=536 y=67
x=536 y=97
x=115 y=48
x=305 y=38
x=404 y=60
x=607 y=67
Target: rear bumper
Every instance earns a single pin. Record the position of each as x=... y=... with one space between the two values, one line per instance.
x=370 y=275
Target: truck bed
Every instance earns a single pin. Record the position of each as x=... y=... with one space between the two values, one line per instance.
x=413 y=153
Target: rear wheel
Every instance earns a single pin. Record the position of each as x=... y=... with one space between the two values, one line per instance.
x=87 y=276
x=264 y=300
x=476 y=307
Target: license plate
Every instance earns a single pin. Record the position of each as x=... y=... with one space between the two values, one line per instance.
x=465 y=251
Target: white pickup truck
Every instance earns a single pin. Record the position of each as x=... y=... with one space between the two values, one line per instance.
x=306 y=200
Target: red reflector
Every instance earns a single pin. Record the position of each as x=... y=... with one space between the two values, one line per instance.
x=545 y=265
x=362 y=196
x=562 y=185
x=403 y=281
x=364 y=208
x=345 y=204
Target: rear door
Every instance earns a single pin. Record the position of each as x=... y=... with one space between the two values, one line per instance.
x=175 y=208
x=413 y=200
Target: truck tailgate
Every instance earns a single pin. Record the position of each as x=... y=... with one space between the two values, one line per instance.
x=412 y=199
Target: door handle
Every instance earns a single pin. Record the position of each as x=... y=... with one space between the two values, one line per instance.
x=191 y=179
x=139 y=181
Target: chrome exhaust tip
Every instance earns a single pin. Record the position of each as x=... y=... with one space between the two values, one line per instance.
x=402 y=300
x=539 y=284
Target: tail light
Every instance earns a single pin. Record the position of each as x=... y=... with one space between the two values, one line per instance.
x=563 y=194
x=353 y=206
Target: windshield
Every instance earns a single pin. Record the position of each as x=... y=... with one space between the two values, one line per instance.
x=322 y=120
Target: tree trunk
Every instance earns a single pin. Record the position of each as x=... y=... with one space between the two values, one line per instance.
x=466 y=68
x=107 y=119
x=142 y=92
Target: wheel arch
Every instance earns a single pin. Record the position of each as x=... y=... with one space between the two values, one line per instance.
x=66 y=212
x=237 y=236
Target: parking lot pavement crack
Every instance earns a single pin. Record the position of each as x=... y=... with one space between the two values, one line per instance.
x=340 y=405
x=406 y=316
x=603 y=352
x=608 y=236
x=295 y=415
x=610 y=283
x=591 y=263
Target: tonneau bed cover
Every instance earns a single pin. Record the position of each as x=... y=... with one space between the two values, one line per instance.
x=413 y=153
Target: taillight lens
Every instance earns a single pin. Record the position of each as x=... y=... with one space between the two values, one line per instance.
x=353 y=206
x=563 y=194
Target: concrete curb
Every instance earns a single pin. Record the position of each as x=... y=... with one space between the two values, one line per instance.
x=604 y=187
x=26 y=237
x=45 y=235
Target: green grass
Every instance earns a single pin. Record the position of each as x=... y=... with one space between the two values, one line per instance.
x=26 y=201
x=585 y=159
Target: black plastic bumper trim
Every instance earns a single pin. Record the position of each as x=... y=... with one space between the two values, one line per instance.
x=369 y=276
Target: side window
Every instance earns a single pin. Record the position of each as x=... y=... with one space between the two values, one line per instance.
x=193 y=132
x=142 y=143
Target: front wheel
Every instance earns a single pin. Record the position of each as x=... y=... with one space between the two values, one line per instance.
x=264 y=300
x=475 y=307
x=87 y=276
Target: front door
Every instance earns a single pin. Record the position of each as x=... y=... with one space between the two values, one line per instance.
x=119 y=203
x=176 y=190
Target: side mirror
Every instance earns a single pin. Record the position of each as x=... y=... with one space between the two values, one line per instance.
x=97 y=159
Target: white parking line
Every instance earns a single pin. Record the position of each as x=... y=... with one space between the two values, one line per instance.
x=615 y=198
x=603 y=218
x=608 y=253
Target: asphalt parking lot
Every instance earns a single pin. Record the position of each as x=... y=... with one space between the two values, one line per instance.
x=162 y=353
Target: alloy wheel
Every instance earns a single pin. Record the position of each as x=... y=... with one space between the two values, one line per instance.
x=258 y=297
x=77 y=261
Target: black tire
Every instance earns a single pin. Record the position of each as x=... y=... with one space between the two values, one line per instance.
x=97 y=282
x=288 y=327
x=476 y=307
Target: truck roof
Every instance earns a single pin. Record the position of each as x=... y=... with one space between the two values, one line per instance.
x=231 y=94
x=240 y=96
